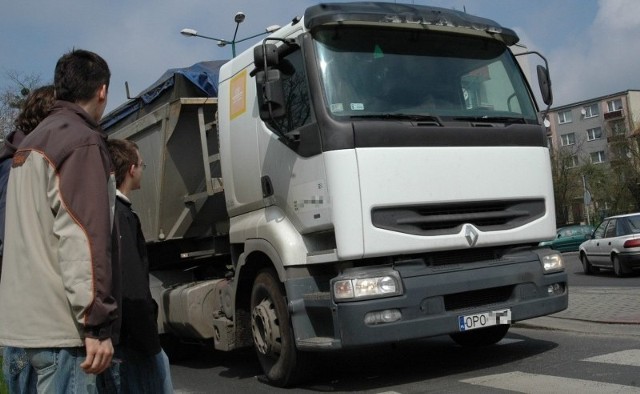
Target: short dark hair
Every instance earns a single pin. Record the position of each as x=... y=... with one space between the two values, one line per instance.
x=123 y=154
x=35 y=108
x=79 y=74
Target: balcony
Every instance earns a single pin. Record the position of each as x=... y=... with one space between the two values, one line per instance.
x=612 y=115
x=617 y=138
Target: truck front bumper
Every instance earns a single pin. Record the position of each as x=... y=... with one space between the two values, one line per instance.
x=431 y=304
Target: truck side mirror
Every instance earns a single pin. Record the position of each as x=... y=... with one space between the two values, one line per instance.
x=545 y=84
x=269 y=86
x=270 y=90
x=266 y=53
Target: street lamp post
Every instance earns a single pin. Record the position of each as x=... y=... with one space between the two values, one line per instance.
x=239 y=18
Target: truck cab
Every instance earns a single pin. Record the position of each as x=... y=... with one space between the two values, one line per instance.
x=388 y=162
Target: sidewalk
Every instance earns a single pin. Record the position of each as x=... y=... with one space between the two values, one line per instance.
x=595 y=310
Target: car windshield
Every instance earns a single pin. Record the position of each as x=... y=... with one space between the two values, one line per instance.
x=380 y=72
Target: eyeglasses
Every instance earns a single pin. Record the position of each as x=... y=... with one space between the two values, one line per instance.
x=143 y=165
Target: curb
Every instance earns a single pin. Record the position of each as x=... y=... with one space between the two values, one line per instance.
x=579 y=326
x=595 y=310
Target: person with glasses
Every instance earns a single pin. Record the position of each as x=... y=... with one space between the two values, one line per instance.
x=142 y=366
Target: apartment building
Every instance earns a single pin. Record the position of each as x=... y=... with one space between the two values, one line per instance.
x=586 y=132
x=585 y=128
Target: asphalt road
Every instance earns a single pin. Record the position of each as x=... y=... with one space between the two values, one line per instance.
x=601 y=279
x=527 y=360
x=534 y=361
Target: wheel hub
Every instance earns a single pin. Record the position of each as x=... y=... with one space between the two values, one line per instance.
x=265 y=328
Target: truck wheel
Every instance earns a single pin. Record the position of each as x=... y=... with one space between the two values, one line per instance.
x=272 y=333
x=587 y=268
x=481 y=337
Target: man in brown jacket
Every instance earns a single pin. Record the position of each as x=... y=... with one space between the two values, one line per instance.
x=56 y=289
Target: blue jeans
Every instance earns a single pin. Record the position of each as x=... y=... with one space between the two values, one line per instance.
x=18 y=372
x=135 y=372
x=59 y=370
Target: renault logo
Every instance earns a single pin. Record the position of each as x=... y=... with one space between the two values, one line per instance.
x=470 y=234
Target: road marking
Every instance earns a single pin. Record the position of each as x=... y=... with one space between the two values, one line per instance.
x=522 y=382
x=625 y=357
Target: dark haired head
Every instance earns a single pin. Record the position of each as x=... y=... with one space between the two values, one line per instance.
x=124 y=154
x=35 y=108
x=79 y=74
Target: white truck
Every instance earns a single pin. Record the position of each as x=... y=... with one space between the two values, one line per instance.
x=368 y=174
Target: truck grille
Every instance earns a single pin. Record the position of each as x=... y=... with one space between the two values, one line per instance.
x=476 y=298
x=488 y=255
x=442 y=219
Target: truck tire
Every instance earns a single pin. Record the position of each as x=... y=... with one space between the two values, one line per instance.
x=272 y=332
x=481 y=337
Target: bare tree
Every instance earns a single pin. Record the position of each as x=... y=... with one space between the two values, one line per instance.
x=566 y=182
x=13 y=95
x=625 y=170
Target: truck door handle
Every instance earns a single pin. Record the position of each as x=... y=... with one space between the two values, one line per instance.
x=267 y=187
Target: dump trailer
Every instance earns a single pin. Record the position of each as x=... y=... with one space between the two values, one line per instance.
x=370 y=173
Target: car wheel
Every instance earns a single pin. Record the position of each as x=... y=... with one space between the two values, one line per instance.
x=481 y=337
x=587 y=268
x=619 y=268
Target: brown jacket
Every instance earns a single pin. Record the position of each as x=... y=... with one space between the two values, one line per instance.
x=56 y=274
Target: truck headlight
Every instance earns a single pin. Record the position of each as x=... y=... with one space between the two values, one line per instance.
x=552 y=263
x=362 y=287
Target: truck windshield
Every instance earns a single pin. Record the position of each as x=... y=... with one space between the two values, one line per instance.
x=381 y=72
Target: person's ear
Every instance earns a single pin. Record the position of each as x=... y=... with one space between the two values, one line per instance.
x=132 y=168
x=102 y=93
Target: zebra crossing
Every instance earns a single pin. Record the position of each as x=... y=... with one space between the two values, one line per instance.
x=523 y=382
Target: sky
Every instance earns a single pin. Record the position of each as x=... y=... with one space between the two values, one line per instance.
x=592 y=46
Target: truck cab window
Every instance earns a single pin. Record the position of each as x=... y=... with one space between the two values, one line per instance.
x=296 y=93
x=370 y=72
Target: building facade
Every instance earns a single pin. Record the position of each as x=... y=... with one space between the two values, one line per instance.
x=594 y=132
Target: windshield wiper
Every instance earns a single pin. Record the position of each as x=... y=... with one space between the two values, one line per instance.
x=492 y=119
x=400 y=116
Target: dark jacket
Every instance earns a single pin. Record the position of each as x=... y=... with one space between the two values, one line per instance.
x=139 y=328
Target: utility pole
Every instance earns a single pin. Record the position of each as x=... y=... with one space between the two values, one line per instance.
x=587 y=198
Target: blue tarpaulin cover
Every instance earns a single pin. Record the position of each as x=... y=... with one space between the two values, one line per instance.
x=203 y=75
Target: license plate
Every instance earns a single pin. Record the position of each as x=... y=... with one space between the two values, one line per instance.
x=487 y=319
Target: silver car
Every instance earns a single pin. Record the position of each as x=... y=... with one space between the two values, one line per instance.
x=615 y=244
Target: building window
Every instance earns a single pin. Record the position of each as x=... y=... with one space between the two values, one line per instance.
x=614 y=105
x=568 y=139
x=591 y=111
x=564 y=117
x=597 y=157
x=571 y=161
x=594 y=134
